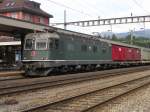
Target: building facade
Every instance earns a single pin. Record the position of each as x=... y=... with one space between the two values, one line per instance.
x=24 y=10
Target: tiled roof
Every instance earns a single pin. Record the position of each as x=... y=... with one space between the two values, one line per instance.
x=23 y=5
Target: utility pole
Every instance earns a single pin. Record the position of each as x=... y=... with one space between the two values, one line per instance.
x=65 y=20
x=111 y=30
x=131 y=39
x=144 y=28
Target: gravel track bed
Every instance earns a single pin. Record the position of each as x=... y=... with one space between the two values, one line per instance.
x=12 y=75
x=136 y=101
x=26 y=84
x=32 y=99
x=29 y=81
x=84 y=102
x=8 y=78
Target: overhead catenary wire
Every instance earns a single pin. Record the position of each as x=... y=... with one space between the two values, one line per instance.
x=62 y=5
x=95 y=9
x=140 y=6
x=88 y=5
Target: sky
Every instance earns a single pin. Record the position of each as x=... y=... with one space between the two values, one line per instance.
x=78 y=10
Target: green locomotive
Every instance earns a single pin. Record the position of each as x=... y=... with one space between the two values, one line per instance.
x=47 y=52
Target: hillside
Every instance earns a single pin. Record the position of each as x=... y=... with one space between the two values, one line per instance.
x=142 y=33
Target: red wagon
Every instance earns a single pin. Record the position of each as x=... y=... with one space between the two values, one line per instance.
x=137 y=54
x=118 y=53
x=125 y=53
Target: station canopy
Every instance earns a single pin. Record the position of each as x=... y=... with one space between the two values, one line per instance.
x=13 y=43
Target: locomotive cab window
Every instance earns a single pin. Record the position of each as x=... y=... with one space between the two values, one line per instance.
x=53 y=43
x=29 y=44
x=40 y=45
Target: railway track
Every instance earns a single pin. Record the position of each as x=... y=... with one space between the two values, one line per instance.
x=63 y=88
x=11 y=75
x=137 y=100
x=89 y=101
x=26 y=84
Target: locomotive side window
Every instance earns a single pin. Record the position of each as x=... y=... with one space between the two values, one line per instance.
x=56 y=43
x=104 y=47
x=84 y=48
x=29 y=44
x=104 y=50
x=94 y=49
x=70 y=47
x=53 y=43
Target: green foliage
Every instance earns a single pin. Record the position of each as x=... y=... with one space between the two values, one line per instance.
x=114 y=37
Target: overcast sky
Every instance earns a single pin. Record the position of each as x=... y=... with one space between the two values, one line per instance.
x=91 y=9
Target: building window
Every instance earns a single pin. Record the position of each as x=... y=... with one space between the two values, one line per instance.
x=27 y=17
x=46 y=21
x=31 y=18
x=36 y=5
x=14 y=15
x=38 y=19
x=42 y=20
x=12 y=4
x=8 y=4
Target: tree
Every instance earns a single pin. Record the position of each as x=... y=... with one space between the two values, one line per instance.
x=114 y=37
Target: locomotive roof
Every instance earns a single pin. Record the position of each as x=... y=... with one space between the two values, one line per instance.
x=42 y=35
x=100 y=39
x=82 y=35
x=69 y=32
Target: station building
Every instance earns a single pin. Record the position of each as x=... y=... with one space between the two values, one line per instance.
x=24 y=10
x=11 y=37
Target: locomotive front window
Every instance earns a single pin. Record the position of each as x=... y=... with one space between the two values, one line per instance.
x=41 y=45
x=29 y=44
